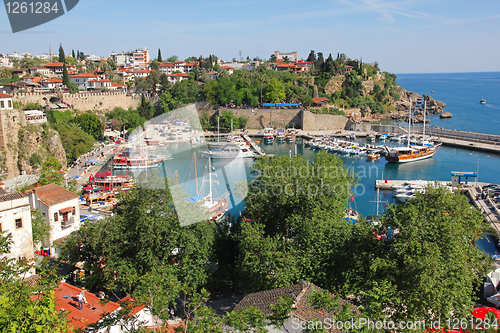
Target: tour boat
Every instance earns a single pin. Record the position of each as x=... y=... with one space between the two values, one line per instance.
x=138 y=159
x=370 y=137
x=280 y=135
x=100 y=199
x=290 y=136
x=409 y=153
x=108 y=181
x=483 y=101
x=383 y=137
x=268 y=135
x=231 y=151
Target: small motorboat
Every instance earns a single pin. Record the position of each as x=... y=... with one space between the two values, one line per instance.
x=483 y=101
x=373 y=156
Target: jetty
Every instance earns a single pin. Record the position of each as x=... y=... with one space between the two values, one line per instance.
x=257 y=149
x=486 y=206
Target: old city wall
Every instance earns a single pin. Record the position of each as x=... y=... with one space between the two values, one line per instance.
x=318 y=122
x=99 y=101
x=306 y=120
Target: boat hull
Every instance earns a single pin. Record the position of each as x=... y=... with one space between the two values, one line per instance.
x=409 y=158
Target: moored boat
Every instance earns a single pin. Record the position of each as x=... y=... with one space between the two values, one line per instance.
x=268 y=135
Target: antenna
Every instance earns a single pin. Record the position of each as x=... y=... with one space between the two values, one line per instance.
x=241 y=58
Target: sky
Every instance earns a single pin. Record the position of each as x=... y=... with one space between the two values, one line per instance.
x=403 y=36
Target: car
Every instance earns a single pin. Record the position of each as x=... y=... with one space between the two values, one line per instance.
x=486 y=187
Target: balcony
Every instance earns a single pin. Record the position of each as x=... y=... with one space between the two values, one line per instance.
x=67 y=223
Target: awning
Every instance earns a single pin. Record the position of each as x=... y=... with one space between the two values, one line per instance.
x=66 y=210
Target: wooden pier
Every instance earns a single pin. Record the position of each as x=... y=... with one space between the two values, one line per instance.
x=257 y=149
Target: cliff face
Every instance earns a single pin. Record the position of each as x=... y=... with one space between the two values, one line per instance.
x=399 y=98
x=37 y=143
x=24 y=147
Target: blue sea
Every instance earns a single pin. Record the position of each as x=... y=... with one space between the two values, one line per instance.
x=461 y=92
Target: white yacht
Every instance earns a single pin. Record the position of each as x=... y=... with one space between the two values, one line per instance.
x=230 y=151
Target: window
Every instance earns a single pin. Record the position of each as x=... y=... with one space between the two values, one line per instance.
x=1 y=229
x=19 y=223
x=56 y=217
x=74 y=211
x=10 y=104
x=2 y=104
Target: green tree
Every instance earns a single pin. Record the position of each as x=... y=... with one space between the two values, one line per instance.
x=167 y=103
x=62 y=57
x=308 y=200
x=154 y=65
x=73 y=53
x=111 y=64
x=159 y=59
x=146 y=109
x=172 y=59
x=65 y=78
x=40 y=227
x=144 y=237
x=275 y=91
x=311 y=56
x=436 y=233
x=319 y=62
x=27 y=307
x=272 y=58
x=91 y=125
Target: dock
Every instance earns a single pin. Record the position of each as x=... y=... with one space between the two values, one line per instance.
x=486 y=206
x=257 y=149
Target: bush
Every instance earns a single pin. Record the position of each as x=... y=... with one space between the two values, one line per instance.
x=35 y=160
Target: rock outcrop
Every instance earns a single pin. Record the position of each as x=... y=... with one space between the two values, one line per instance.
x=37 y=143
x=445 y=115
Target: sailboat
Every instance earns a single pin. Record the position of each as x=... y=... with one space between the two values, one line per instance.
x=409 y=154
x=215 y=207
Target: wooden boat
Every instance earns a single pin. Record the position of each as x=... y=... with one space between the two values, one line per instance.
x=139 y=158
x=290 y=136
x=373 y=156
x=101 y=199
x=268 y=135
x=410 y=153
x=108 y=181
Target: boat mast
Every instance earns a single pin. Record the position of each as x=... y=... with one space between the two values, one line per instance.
x=195 y=173
x=231 y=129
x=423 y=131
x=210 y=177
x=378 y=198
x=409 y=125
x=218 y=131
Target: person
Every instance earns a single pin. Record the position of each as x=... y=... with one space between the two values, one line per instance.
x=172 y=314
x=84 y=299
x=80 y=301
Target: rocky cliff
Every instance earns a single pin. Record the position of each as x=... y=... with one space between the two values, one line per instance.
x=36 y=144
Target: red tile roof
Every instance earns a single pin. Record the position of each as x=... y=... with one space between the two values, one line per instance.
x=51 y=81
x=227 y=67
x=179 y=74
x=65 y=296
x=166 y=65
x=5 y=96
x=54 y=64
x=53 y=194
x=320 y=99
x=84 y=75
x=117 y=85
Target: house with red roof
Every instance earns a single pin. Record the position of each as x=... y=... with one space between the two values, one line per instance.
x=177 y=77
x=61 y=210
x=142 y=72
x=99 y=84
x=229 y=69
x=55 y=68
x=51 y=83
x=6 y=102
x=117 y=86
x=321 y=101
x=96 y=308
x=82 y=80
x=166 y=68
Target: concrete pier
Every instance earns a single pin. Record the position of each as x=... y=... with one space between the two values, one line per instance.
x=256 y=148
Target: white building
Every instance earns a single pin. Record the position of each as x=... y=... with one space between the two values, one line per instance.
x=6 y=102
x=82 y=80
x=177 y=77
x=35 y=117
x=138 y=59
x=15 y=219
x=61 y=209
x=166 y=68
x=51 y=83
x=99 y=84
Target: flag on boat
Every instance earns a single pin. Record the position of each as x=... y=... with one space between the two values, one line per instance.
x=352 y=198
x=386 y=203
x=91 y=177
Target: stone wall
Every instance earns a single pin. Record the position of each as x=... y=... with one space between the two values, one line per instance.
x=99 y=101
x=10 y=123
x=318 y=122
x=301 y=119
